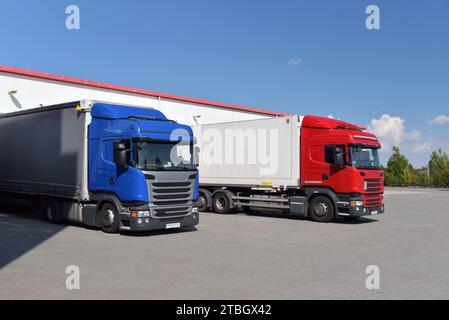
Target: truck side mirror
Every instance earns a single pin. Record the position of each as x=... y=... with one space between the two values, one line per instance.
x=339 y=157
x=121 y=155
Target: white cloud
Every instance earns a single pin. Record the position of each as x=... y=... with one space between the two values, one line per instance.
x=442 y=119
x=295 y=62
x=391 y=131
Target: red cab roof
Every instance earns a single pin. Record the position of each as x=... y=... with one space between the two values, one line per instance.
x=354 y=132
x=328 y=123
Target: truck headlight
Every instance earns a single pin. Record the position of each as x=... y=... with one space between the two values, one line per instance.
x=140 y=214
x=356 y=203
x=195 y=210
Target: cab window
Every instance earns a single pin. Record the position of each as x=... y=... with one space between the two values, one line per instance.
x=331 y=152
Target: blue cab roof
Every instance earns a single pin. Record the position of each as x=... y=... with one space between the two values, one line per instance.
x=157 y=128
x=110 y=111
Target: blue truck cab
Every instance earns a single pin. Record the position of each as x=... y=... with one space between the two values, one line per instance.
x=99 y=164
x=141 y=169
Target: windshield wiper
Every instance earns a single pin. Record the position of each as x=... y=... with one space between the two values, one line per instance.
x=368 y=168
x=182 y=168
x=158 y=168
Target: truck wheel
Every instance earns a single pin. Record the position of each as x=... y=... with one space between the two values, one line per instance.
x=321 y=209
x=203 y=204
x=221 y=203
x=110 y=221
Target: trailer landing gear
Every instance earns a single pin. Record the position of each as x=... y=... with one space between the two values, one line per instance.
x=50 y=212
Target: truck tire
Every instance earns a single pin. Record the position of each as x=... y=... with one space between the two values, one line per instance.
x=221 y=203
x=109 y=218
x=204 y=197
x=321 y=209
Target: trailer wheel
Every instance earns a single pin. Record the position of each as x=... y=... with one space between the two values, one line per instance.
x=109 y=218
x=321 y=209
x=221 y=203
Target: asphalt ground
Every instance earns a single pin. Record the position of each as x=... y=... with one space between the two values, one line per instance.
x=237 y=256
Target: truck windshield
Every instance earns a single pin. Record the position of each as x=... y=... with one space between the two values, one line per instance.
x=159 y=156
x=364 y=158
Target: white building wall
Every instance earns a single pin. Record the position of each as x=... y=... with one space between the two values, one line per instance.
x=33 y=92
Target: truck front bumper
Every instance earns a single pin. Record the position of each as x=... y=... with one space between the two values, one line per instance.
x=357 y=208
x=149 y=223
x=365 y=211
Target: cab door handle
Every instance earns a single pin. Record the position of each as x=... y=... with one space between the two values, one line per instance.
x=324 y=177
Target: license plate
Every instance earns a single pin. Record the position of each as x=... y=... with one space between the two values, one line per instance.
x=374 y=212
x=173 y=225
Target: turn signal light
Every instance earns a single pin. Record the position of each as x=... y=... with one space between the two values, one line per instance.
x=356 y=203
x=140 y=214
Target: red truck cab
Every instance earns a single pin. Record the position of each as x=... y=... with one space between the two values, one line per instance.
x=341 y=160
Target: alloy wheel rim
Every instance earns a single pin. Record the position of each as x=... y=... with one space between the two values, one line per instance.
x=108 y=218
x=220 y=203
x=202 y=202
x=321 y=209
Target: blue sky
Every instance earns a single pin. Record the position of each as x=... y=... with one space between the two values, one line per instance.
x=395 y=79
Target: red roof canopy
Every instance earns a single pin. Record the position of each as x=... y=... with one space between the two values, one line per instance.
x=89 y=83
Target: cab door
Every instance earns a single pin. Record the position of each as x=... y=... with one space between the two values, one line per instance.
x=334 y=174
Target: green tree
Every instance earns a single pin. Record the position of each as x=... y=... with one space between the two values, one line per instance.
x=421 y=177
x=413 y=175
x=439 y=168
x=398 y=172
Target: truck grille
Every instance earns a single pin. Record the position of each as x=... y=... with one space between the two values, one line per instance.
x=373 y=201
x=166 y=213
x=171 y=198
x=373 y=185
